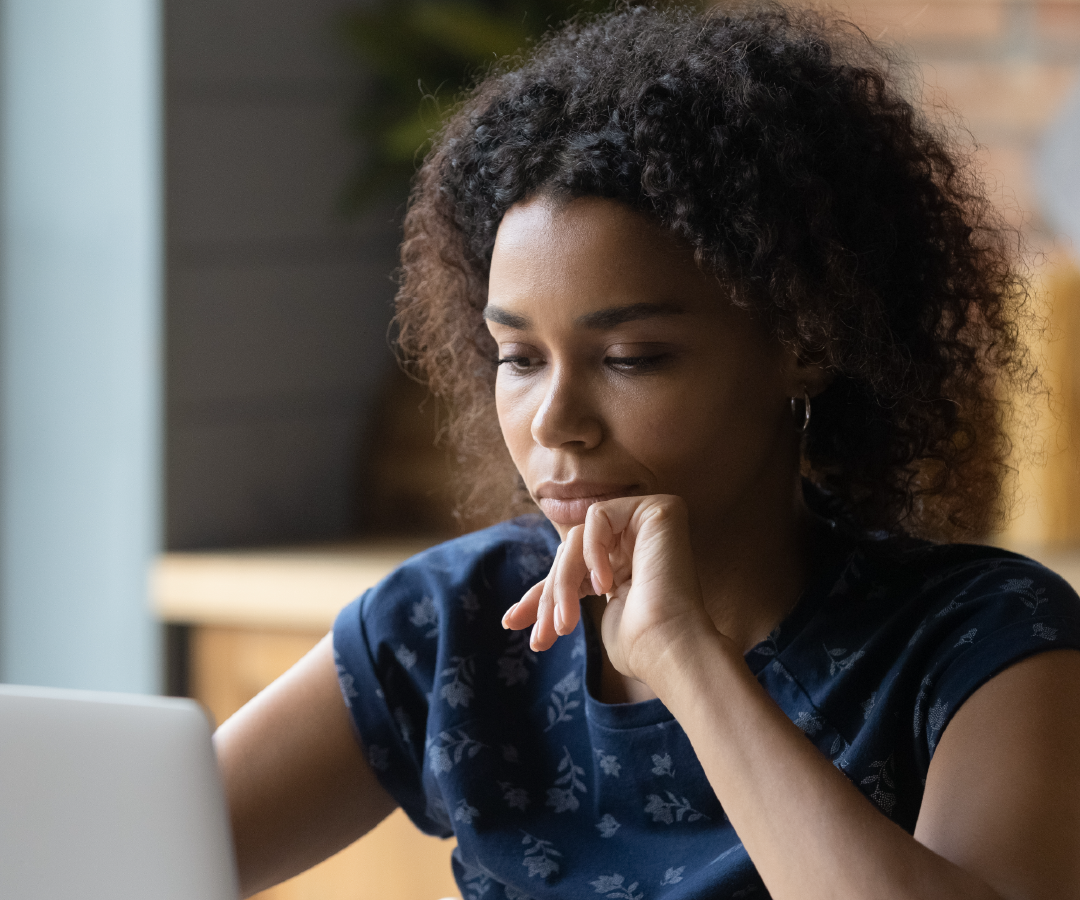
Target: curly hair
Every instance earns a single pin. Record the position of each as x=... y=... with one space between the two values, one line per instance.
x=776 y=144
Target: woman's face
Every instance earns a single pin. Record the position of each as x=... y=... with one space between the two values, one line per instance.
x=624 y=370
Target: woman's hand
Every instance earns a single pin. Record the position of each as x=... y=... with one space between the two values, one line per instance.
x=636 y=551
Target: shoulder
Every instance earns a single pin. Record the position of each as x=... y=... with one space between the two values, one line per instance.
x=896 y=639
x=952 y=584
x=958 y=615
x=961 y=609
x=911 y=600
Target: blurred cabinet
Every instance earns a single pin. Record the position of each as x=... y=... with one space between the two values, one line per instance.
x=251 y=615
x=1046 y=431
x=1061 y=482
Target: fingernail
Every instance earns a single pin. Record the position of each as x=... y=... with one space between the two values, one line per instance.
x=595 y=584
x=558 y=620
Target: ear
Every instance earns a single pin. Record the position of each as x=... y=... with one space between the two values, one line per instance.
x=807 y=371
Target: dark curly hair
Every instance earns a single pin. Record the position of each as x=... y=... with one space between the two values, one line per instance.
x=775 y=143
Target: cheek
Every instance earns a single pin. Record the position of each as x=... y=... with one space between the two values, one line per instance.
x=701 y=431
x=515 y=422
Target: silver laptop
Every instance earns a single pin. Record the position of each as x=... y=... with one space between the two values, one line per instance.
x=109 y=797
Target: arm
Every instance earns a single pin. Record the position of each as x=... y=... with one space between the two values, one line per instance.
x=1003 y=791
x=812 y=835
x=1000 y=816
x=298 y=786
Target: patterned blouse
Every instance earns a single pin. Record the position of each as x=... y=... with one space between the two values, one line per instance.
x=553 y=794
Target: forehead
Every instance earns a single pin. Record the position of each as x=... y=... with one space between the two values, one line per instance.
x=599 y=251
x=561 y=222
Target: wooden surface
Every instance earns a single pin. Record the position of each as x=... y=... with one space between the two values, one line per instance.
x=300 y=588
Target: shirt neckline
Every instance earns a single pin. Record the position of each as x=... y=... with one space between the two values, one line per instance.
x=652 y=712
x=612 y=715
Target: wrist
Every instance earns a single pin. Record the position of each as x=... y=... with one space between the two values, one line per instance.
x=691 y=662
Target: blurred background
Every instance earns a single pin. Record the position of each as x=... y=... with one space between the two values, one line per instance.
x=205 y=445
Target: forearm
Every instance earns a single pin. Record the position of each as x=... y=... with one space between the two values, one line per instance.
x=808 y=829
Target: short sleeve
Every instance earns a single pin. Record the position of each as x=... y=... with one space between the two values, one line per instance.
x=1000 y=616
x=385 y=653
x=428 y=630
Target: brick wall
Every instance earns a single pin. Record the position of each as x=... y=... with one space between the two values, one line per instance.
x=1006 y=66
x=1008 y=69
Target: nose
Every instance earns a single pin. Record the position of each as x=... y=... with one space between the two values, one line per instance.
x=568 y=414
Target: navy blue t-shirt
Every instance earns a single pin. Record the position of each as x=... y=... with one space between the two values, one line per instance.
x=552 y=793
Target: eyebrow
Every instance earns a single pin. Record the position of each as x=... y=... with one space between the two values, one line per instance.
x=500 y=316
x=599 y=320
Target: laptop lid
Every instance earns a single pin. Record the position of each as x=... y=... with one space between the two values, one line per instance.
x=110 y=797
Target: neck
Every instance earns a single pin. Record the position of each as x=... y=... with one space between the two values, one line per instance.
x=753 y=574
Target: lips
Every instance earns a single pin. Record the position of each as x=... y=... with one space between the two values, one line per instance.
x=565 y=503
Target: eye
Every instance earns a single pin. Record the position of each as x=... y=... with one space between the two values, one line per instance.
x=518 y=363
x=638 y=364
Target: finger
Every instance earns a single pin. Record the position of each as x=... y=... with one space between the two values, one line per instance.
x=543 y=633
x=568 y=582
x=598 y=540
x=619 y=512
x=523 y=613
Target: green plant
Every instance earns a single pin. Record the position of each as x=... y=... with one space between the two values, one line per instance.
x=421 y=55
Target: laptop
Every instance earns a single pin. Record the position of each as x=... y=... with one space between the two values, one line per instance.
x=110 y=797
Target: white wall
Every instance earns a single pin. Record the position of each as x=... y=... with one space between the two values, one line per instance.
x=80 y=274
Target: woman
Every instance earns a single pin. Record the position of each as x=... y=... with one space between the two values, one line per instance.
x=745 y=326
